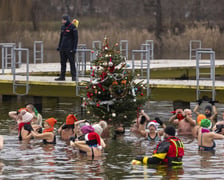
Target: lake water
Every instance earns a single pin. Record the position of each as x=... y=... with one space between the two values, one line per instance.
x=20 y=160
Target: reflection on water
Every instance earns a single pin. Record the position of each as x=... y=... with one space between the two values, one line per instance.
x=21 y=160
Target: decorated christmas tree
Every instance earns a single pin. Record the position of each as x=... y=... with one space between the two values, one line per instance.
x=113 y=94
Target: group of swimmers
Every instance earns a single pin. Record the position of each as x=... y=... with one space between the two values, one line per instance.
x=88 y=139
x=170 y=150
x=80 y=134
x=206 y=128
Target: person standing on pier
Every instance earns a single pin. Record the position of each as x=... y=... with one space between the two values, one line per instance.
x=67 y=46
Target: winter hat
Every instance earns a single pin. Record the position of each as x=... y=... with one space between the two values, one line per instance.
x=103 y=124
x=26 y=117
x=206 y=123
x=21 y=109
x=98 y=129
x=70 y=119
x=154 y=123
x=66 y=17
x=170 y=130
x=200 y=117
x=51 y=122
x=87 y=129
x=93 y=136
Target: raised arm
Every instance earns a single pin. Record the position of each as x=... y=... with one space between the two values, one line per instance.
x=216 y=136
x=196 y=109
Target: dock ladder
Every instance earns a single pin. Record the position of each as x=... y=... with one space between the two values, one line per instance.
x=205 y=58
x=151 y=49
x=194 y=45
x=143 y=65
x=7 y=55
x=22 y=83
x=38 y=52
x=124 y=47
x=83 y=64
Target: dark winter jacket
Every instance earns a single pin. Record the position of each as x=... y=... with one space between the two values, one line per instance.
x=69 y=37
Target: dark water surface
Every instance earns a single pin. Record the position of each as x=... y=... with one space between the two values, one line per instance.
x=20 y=160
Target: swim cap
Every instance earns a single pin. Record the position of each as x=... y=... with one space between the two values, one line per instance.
x=206 y=123
x=200 y=117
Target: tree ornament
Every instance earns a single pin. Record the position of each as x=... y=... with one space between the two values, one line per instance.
x=113 y=114
x=111 y=64
x=115 y=83
x=124 y=82
x=141 y=94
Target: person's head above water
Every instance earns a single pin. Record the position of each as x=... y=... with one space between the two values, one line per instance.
x=170 y=130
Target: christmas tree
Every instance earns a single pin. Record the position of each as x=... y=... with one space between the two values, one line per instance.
x=112 y=94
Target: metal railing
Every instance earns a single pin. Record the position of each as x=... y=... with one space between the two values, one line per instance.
x=16 y=83
x=194 y=45
x=124 y=48
x=7 y=55
x=82 y=62
x=208 y=77
x=151 y=49
x=144 y=64
x=38 y=52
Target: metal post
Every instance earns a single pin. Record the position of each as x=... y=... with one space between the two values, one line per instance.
x=20 y=54
x=3 y=60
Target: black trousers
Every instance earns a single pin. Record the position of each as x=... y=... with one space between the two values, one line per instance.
x=71 y=57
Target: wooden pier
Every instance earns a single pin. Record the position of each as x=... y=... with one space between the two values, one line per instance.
x=169 y=80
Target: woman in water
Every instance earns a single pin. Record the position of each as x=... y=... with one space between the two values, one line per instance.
x=67 y=129
x=24 y=120
x=91 y=144
x=48 y=135
x=205 y=137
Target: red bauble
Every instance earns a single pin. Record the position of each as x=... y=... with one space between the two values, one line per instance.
x=141 y=94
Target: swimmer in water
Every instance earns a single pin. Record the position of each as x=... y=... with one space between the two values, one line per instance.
x=66 y=130
x=205 y=137
x=154 y=135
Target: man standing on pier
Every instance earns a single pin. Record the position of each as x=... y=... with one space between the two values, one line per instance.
x=67 y=47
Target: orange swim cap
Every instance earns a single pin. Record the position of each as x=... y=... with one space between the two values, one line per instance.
x=200 y=117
